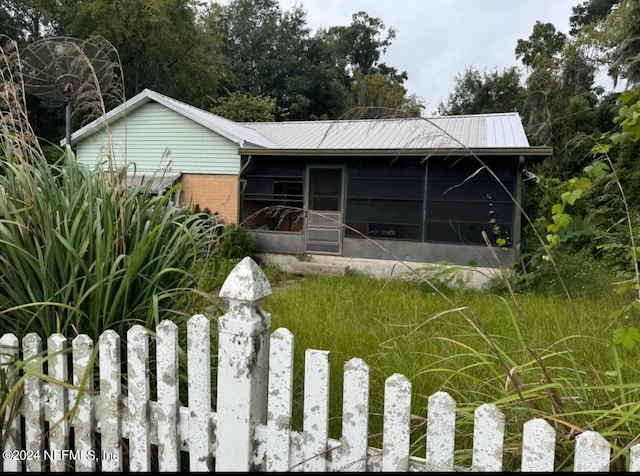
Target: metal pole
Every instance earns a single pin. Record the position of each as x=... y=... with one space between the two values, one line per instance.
x=68 y=125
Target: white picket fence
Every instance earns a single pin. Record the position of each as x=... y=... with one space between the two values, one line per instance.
x=119 y=427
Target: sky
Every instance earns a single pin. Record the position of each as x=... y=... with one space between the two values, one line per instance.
x=439 y=39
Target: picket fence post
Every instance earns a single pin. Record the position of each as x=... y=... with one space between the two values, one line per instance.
x=9 y=346
x=243 y=366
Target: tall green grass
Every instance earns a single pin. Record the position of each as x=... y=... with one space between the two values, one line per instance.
x=531 y=356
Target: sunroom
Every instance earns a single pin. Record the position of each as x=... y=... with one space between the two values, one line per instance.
x=447 y=202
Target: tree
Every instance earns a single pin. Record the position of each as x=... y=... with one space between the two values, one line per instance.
x=476 y=93
x=626 y=55
x=160 y=44
x=379 y=97
x=270 y=54
x=363 y=42
x=545 y=44
x=14 y=20
x=588 y=13
x=377 y=88
x=560 y=101
x=243 y=107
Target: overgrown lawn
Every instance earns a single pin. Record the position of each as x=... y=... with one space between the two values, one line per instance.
x=535 y=355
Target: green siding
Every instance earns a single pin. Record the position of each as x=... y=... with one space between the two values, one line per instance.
x=154 y=136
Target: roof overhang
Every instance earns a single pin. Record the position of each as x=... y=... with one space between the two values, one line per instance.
x=539 y=152
x=159 y=182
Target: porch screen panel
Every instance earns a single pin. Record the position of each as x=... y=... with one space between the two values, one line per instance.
x=272 y=195
x=385 y=198
x=463 y=200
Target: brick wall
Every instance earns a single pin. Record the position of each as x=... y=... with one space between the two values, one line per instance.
x=218 y=193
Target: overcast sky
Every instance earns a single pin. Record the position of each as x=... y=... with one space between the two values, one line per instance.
x=437 y=39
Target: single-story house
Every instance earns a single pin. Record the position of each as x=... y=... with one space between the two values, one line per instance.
x=417 y=189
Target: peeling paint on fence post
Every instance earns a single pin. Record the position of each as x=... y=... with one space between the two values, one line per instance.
x=441 y=433
x=168 y=396
x=488 y=438
x=33 y=400
x=110 y=410
x=634 y=458
x=278 y=456
x=56 y=400
x=199 y=390
x=396 y=426
x=538 y=446
x=592 y=454
x=138 y=398
x=355 y=416
x=316 y=410
x=83 y=422
x=8 y=355
x=243 y=352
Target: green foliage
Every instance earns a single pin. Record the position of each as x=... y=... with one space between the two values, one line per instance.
x=628 y=338
x=160 y=43
x=362 y=42
x=244 y=107
x=529 y=357
x=84 y=251
x=577 y=186
x=545 y=43
x=489 y=92
x=379 y=97
x=234 y=243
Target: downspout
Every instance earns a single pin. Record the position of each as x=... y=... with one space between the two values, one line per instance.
x=517 y=219
x=242 y=184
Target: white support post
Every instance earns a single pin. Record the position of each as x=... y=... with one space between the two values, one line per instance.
x=243 y=366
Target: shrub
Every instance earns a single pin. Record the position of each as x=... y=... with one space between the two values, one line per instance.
x=234 y=244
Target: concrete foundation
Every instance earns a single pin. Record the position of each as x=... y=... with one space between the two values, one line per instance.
x=471 y=277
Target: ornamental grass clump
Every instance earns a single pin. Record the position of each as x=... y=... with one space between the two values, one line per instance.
x=83 y=249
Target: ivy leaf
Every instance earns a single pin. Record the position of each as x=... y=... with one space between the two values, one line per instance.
x=583 y=184
x=598 y=168
x=557 y=209
x=501 y=242
x=627 y=96
x=628 y=338
x=571 y=197
x=600 y=149
x=562 y=220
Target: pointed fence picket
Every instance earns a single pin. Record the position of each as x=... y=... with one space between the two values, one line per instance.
x=63 y=423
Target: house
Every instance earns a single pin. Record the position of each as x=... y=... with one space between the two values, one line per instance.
x=422 y=190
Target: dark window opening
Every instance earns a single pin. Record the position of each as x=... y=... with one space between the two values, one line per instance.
x=325 y=189
x=272 y=197
x=385 y=199
x=464 y=200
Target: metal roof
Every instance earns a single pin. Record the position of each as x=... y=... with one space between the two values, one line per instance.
x=444 y=132
x=477 y=131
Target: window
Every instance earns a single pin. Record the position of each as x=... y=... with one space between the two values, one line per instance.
x=385 y=198
x=464 y=200
x=272 y=196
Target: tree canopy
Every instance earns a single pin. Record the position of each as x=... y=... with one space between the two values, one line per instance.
x=254 y=55
x=219 y=53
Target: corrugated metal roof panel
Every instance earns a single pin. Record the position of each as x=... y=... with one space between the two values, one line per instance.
x=471 y=131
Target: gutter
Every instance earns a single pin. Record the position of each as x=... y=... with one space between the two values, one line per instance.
x=536 y=151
